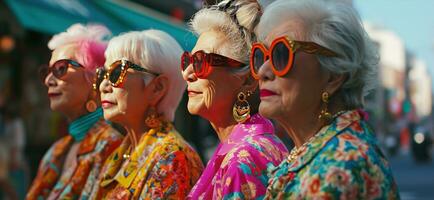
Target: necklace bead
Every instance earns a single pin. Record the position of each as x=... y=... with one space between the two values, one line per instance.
x=126 y=156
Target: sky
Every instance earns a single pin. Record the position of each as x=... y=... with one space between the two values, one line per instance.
x=411 y=20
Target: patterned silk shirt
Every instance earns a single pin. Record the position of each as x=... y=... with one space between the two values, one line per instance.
x=343 y=161
x=161 y=166
x=56 y=181
x=239 y=167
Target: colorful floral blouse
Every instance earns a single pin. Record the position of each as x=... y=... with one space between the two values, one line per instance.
x=239 y=167
x=54 y=182
x=342 y=162
x=162 y=166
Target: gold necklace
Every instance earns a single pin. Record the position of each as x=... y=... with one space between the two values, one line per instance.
x=297 y=150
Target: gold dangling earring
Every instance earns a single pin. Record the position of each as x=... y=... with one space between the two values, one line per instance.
x=153 y=119
x=325 y=115
x=241 y=108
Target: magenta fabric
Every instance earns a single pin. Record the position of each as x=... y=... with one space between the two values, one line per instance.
x=240 y=166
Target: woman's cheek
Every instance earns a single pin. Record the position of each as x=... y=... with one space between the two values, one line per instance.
x=208 y=97
x=122 y=99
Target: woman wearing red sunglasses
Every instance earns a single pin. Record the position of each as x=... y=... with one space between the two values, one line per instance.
x=221 y=90
x=141 y=90
x=315 y=63
x=72 y=164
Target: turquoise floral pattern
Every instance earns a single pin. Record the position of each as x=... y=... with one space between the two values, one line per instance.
x=342 y=162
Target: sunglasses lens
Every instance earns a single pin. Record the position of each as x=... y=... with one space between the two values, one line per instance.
x=280 y=56
x=258 y=59
x=115 y=73
x=60 y=68
x=185 y=61
x=198 y=63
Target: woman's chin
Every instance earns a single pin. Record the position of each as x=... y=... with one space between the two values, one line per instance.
x=193 y=111
x=194 y=108
x=55 y=107
x=58 y=104
x=268 y=111
x=113 y=117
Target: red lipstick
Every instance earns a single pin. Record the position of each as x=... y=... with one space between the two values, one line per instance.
x=193 y=93
x=52 y=94
x=107 y=104
x=266 y=93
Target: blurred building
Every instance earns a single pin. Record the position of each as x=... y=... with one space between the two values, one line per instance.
x=420 y=88
x=386 y=101
x=180 y=10
x=403 y=98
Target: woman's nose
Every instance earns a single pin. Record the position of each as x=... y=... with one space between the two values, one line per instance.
x=188 y=74
x=265 y=72
x=50 y=80
x=105 y=86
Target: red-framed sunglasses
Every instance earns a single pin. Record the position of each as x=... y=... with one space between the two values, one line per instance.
x=281 y=54
x=203 y=63
x=117 y=72
x=59 y=68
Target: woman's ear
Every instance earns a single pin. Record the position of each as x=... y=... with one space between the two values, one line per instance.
x=157 y=89
x=334 y=82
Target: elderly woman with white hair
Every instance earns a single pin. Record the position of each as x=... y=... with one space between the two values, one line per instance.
x=315 y=63
x=221 y=90
x=141 y=91
x=72 y=164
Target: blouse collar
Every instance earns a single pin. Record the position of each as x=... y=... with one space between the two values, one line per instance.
x=80 y=127
x=256 y=125
x=125 y=172
x=324 y=136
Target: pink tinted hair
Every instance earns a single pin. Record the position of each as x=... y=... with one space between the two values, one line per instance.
x=91 y=44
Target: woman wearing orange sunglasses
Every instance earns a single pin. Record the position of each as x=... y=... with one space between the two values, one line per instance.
x=315 y=63
x=221 y=90
x=71 y=166
x=141 y=90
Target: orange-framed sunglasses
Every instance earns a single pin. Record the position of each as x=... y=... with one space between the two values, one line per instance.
x=281 y=54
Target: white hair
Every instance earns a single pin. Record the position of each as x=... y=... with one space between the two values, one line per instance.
x=158 y=52
x=237 y=23
x=337 y=26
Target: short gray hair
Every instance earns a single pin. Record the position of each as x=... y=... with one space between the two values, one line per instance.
x=337 y=26
x=159 y=52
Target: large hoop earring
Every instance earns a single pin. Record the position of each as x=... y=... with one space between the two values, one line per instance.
x=324 y=114
x=91 y=106
x=241 y=108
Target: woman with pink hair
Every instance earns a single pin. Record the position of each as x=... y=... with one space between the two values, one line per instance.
x=70 y=167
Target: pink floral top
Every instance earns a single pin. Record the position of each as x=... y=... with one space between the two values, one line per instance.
x=239 y=167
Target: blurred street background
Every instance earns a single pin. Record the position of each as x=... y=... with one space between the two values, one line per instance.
x=400 y=107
